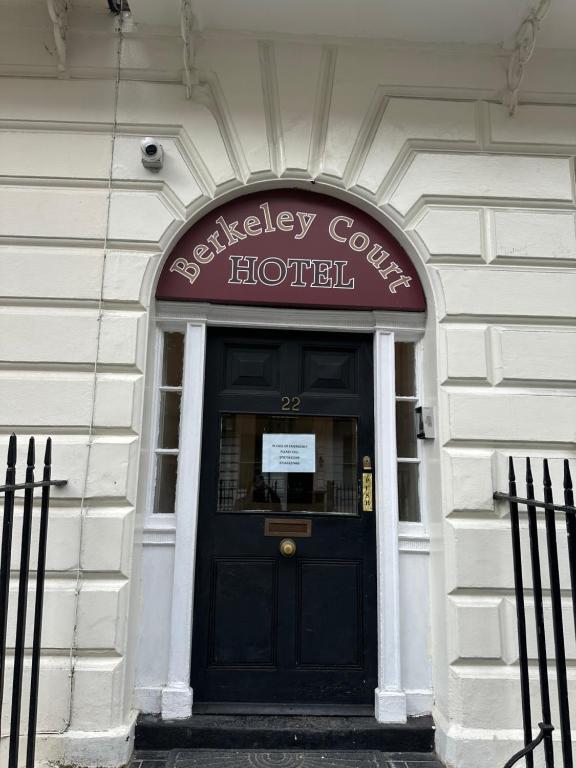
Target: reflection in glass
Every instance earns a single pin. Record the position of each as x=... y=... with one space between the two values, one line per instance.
x=406 y=430
x=405 y=379
x=408 y=503
x=166 y=467
x=169 y=420
x=243 y=487
x=173 y=359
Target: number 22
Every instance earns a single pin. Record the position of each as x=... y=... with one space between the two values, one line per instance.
x=290 y=403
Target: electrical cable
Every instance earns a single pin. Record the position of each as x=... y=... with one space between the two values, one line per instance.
x=90 y=437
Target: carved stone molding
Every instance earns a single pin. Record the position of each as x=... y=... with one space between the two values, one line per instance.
x=58 y=10
x=190 y=32
x=524 y=45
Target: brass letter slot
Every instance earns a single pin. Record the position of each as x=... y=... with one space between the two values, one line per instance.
x=282 y=527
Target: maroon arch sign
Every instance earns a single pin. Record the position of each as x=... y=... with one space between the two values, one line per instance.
x=291 y=248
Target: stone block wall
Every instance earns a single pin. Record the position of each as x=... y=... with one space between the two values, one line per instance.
x=487 y=202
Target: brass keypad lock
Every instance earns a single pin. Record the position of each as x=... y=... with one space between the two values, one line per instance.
x=367 y=485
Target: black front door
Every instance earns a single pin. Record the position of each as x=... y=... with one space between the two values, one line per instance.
x=285 y=590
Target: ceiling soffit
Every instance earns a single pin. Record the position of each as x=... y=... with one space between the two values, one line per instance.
x=490 y=22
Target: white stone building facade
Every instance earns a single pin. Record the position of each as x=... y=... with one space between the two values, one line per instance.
x=405 y=116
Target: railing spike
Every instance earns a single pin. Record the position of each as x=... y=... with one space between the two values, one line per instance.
x=529 y=478
x=31 y=453
x=511 y=473
x=546 y=475
x=48 y=452
x=567 y=476
x=11 y=461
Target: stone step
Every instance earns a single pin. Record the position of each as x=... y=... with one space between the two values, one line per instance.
x=275 y=732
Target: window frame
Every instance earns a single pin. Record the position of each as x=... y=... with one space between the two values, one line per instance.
x=155 y=519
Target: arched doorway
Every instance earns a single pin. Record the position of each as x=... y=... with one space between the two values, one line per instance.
x=311 y=270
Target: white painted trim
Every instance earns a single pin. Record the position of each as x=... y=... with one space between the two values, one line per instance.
x=390 y=706
x=414 y=545
x=407 y=326
x=159 y=537
x=177 y=695
x=413 y=537
x=390 y=699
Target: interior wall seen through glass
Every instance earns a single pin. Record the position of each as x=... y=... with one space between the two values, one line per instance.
x=405 y=369
x=173 y=360
x=166 y=470
x=408 y=501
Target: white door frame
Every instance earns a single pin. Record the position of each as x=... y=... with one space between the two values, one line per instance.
x=390 y=699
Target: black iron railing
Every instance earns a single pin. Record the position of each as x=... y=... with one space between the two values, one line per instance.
x=9 y=491
x=551 y=510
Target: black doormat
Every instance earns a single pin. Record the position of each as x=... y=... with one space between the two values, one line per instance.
x=244 y=758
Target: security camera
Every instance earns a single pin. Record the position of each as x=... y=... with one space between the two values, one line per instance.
x=152 y=154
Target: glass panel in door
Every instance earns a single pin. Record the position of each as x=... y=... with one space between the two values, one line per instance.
x=288 y=464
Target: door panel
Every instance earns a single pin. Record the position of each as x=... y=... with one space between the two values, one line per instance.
x=330 y=631
x=251 y=367
x=274 y=632
x=329 y=370
x=241 y=589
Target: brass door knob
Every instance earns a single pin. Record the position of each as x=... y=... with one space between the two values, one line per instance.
x=287 y=547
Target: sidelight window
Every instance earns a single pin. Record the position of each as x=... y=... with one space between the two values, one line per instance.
x=407 y=448
x=167 y=442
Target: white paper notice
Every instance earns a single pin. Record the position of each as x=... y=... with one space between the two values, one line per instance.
x=288 y=453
